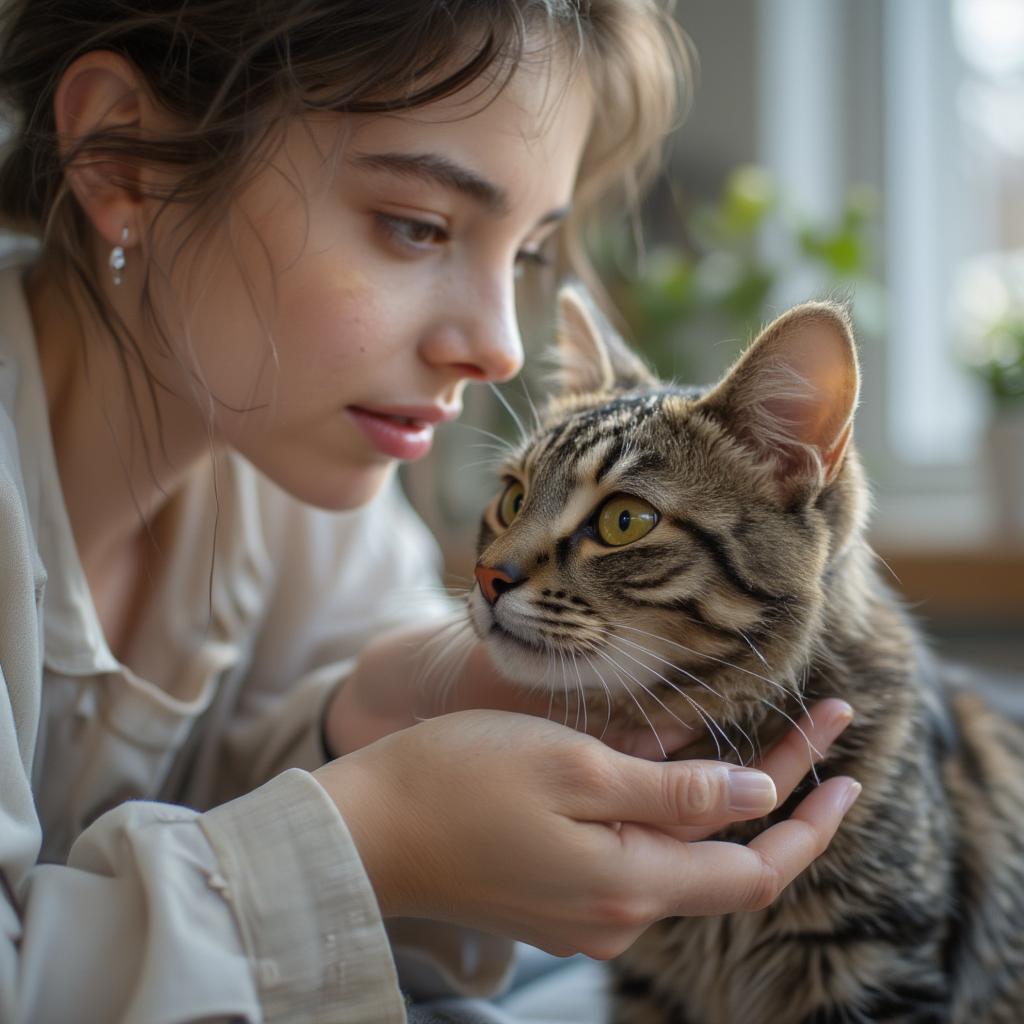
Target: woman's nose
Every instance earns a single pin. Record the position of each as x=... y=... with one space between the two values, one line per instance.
x=477 y=336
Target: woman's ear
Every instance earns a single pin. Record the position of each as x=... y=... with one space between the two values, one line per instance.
x=101 y=91
x=591 y=356
x=792 y=395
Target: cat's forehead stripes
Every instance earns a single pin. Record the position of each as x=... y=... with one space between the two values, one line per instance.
x=591 y=440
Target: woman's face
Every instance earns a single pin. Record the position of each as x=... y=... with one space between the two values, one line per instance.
x=367 y=274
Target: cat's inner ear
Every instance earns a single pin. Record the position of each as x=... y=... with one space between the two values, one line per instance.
x=792 y=394
x=591 y=356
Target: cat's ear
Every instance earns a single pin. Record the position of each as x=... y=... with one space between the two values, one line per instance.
x=792 y=394
x=591 y=356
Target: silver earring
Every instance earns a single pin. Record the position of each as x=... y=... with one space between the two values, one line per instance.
x=117 y=260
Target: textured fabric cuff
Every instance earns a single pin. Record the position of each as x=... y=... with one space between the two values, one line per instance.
x=305 y=907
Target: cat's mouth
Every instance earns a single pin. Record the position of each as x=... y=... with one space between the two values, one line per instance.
x=575 y=656
x=534 y=645
x=525 y=656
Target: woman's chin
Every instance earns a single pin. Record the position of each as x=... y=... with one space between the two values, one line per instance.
x=341 y=489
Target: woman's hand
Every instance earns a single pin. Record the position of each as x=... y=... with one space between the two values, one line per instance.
x=520 y=827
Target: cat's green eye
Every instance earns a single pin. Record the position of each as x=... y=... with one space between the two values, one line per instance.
x=624 y=519
x=511 y=502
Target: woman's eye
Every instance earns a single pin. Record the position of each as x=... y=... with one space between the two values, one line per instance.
x=624 y=519
x=416 y=234
x=511 y=502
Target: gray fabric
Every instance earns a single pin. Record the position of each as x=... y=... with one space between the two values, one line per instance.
x=464 y=1011
x=544 y=990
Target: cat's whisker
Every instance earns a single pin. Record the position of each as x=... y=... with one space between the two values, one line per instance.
x=565 y=683
x=626 y=689
x=709 y=721
x=887 y=565
x=607 y=692
x=579 y=682
x=579 y=690
x=491 y=445
x=671 y=664
x=502 y=443
x=491 y=463
x=757 y=654
x=453 y=643
x=812 y=751
x=705 y=715
x=719 y=661
x=537 y=425
x=449 y=649
x=523 y=434
x=565 y=693
x=438 y=640
x=703 y=712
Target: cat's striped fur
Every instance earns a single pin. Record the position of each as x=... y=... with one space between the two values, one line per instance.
x=756 y=592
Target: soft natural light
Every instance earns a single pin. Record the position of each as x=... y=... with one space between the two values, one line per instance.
x=990 y=35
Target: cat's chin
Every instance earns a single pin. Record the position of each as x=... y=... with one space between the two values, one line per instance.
x=548 y=668
x=522 y=664
x=525 y=659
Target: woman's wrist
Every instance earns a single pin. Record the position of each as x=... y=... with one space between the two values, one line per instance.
x=342 y=724
x=329 y=735
x=376 y=698
x=361 y=787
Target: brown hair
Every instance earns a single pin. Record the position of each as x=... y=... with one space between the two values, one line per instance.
x=231 y=72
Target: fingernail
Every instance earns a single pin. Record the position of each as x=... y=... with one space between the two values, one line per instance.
x=842 y=718
x=850 y=798
x=834 y=727
x=750 y=791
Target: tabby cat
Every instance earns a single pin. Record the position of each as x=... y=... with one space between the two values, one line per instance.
x=658 y=547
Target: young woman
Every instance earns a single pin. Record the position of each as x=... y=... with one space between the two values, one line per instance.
x=272 y=244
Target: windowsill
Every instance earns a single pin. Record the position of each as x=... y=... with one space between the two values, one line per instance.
x=964 y=584
x=949 y=558
x=943 y=521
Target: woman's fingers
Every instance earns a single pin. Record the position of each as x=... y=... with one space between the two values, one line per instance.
x=693 y=799
x=789 y=760
x=734 y=877
x=670 y=793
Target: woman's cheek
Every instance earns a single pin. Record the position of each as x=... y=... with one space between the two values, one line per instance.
x=332 y=323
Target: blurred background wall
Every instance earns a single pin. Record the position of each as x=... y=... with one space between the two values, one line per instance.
x=866 y=149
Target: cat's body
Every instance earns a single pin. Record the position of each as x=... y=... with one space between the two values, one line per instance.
x=914 y=912
x=755 y=595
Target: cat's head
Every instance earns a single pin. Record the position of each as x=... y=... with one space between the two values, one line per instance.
x=668 y=538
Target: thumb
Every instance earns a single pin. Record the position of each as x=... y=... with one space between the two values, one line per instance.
x=679 y=793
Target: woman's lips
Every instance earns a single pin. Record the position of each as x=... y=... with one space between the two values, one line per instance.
x=399 y=437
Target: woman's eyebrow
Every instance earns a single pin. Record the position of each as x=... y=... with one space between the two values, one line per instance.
x=442 y=170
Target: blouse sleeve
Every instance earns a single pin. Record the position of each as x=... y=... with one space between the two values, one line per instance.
x=343 y=579
x=258 y=910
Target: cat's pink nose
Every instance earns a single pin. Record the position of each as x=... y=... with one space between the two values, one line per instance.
x=494 y=582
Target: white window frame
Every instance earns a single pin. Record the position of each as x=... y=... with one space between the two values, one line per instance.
x=862 y=91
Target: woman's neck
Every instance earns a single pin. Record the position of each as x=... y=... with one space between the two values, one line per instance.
x=119 y=458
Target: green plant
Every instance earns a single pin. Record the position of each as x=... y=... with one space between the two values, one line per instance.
x=999 y=360
x=716 y=282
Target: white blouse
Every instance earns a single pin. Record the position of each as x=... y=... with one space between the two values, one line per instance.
x=165 y=855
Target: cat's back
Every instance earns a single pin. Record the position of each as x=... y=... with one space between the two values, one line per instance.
x=984 y=775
